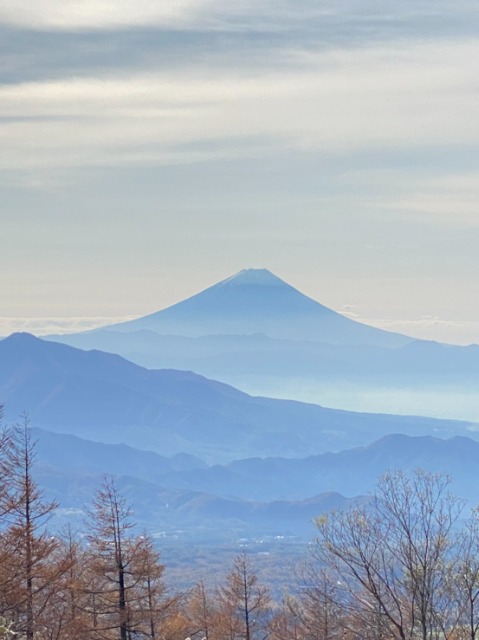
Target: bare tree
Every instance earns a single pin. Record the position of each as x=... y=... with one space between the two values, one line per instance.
x=391 y=558
x=463 y=586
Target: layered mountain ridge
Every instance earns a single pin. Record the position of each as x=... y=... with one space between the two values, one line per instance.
x=107 y=398
x=258 y=333
x=281 y=495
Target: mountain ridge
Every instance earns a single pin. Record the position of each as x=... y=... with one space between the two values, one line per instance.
x=276 y=487
x=107 y=398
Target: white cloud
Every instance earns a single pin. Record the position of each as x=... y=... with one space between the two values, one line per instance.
x=117 y=14
x=461 y=332
x=423 y=193
x=55 y=325
x=78 y=14
x=336 y=102
x=260 y=14
x=114 y=14
x=452 y=331
x=450 y=200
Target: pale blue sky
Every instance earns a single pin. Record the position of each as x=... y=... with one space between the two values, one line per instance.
x=148 y=150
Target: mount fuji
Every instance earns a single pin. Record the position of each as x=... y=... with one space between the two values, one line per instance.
x=255 y=301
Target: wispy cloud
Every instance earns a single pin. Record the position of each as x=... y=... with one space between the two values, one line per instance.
x=55 y=325
x=91 y=14
x=461 y=332
x=57 y=14
x=320 y=103
x=451 y=331
x=450 y=200
x=427 y=193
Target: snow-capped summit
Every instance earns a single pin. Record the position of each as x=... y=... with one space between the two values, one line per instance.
x=257 y=277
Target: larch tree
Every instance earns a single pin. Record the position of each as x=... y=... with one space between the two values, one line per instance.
x=244 y=602
x=151 y=605
x=68 y=610
x=126 y=589
x=31 y=569
x=202 y=613
x=316 y=607
x=287 y=622
x=5 y=469
x=5 y=508
x=30 y=566
x=110 y=552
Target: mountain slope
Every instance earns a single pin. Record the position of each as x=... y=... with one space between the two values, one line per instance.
x=257 y=301
x=106 y=398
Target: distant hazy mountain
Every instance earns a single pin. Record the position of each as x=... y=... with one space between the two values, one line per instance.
x=69 y=469
x=261 y=335
x=192 y=515
x=106 y=398
x=237 y=356
x=275 y=495
x=78 y=455
x=350 y=472
x=256 y=301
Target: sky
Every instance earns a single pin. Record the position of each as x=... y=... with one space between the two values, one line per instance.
x=150 y=149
